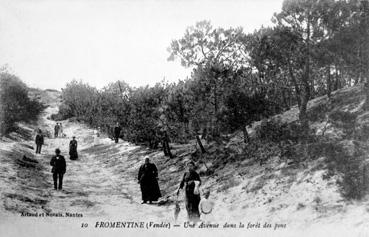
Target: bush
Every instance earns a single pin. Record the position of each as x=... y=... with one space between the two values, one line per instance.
x=15 y=104
x=64 y=113
x=276 y=131
x=350 y=166
x=318 y=112
x=344 y=120
x=362 y=132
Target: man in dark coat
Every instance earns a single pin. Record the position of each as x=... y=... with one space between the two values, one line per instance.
x=59 y=167
x=39 y=141
x=73 y=154
x=117 y=130
x=147 y=178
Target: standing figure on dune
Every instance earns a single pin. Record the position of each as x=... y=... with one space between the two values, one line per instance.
x=191 y=182
x=148 y=180
x=73 y=149
x=39 y=141
x=117 y=130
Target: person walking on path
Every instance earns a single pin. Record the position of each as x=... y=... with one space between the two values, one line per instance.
x=61 y=130
x=191 y=182
x=39 y=141
x=148 y=180
x=59 y=167
x=56 y=130
x=73 y=149
x=117 y=130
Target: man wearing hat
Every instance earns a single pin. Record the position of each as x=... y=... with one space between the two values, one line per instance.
x=39 y=141
x=59 y=167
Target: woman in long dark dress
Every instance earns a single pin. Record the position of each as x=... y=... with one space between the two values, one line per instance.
x=147 y=178
x=189 y=181
x=73 y=154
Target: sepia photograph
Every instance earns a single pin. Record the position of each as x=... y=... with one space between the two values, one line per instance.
x=184 y=118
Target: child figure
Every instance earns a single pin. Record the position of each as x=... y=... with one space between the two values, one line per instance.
x=206 y=207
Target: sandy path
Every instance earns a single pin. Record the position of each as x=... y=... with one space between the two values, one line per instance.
x=98 y=183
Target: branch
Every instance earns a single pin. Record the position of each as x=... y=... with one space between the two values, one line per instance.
x=202 y=51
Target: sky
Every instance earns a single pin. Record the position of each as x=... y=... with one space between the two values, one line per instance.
x=48 y=43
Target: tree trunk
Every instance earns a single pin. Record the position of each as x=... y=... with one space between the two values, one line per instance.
x=303 y=113
x=329 y=87
x=296 y=86
x=336 y=84
x=215 y=129
x=290 y=98
x=285 y=99
x=246 y=137
x=204 y=133
x=186 y=131
x=200 y=144
x=165 y=142
x=312 y=87
x=306 y=87
x=165 y=148
x=365 y=7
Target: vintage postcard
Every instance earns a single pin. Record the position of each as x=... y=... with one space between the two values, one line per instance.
x=184 y=118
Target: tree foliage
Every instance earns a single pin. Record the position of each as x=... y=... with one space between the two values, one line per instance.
x=15 y=104
x=313 y=48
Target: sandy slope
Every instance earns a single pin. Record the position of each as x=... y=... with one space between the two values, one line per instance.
x=101 y=185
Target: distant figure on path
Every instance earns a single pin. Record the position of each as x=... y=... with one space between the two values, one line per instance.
x=117 y=130
x=98 y=132
x=147 y=178
x=97 y=136
x=39 y=141
x=191 y=182
x=56 y=130
x=73 y=149
x=59 y=167
x=61 y=130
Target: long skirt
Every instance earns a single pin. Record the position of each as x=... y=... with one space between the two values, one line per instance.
x=150 y=190
x=192 y=206
x=73 y=154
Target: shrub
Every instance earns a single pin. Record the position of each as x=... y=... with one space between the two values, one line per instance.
x=344 y=120
x=65 y=112
x=318 y=112
x=15 y=104
x=362 y=132
x=350 y=166
x=276 y=131
x=346 y=160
